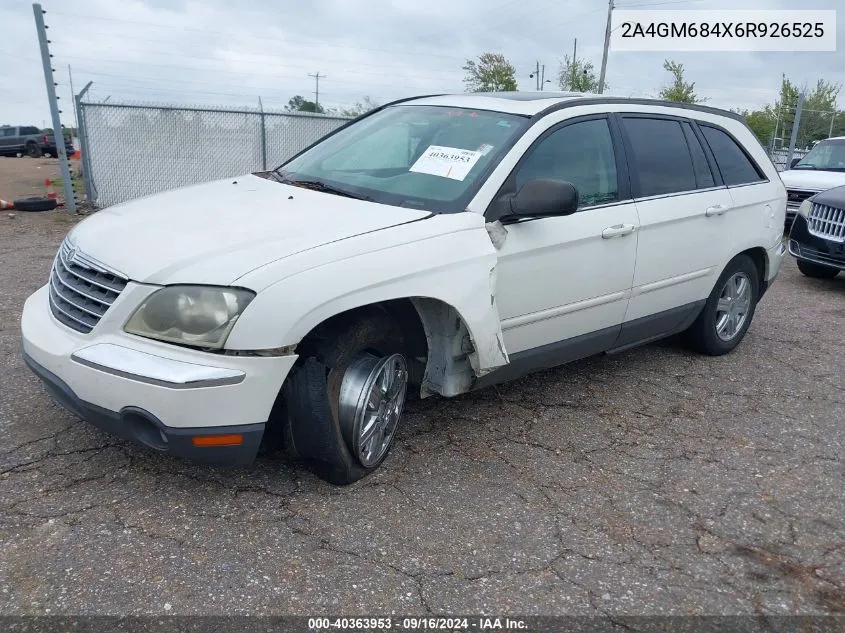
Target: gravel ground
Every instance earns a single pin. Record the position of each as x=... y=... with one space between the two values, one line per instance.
x=25 y=176
x=652 y=482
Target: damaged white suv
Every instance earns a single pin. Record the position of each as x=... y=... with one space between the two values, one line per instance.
x=436 y=245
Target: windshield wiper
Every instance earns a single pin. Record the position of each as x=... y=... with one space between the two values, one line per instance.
x=805 y=167
x=318 y=185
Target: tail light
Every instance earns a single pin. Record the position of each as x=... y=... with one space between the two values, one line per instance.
x=45 y=139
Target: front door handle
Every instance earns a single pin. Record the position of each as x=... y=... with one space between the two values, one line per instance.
x=618 y=231
x=716 y=209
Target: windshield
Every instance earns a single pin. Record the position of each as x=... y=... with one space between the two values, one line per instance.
x=827 y=155
x=427 y=157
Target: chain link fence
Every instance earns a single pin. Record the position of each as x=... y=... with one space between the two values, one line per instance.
x=810 y=126
x=133 y=150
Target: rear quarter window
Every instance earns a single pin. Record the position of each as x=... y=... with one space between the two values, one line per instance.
x=736 y=166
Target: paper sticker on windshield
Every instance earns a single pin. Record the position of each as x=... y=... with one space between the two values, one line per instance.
x=448 y=162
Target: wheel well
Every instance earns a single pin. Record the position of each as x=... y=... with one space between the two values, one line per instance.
x=761 y=262
x=402 y=312
x=436 y=340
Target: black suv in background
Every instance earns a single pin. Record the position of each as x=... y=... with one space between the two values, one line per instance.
x=817 y=238
x=30 y=141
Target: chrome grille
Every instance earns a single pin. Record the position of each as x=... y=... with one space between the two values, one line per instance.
x=827 y=222
x=81 y=290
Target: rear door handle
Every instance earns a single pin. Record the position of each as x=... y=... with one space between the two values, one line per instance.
x=618 y=230
x=716 y=209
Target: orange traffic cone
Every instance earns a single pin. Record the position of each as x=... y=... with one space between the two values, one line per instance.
x=48 y=184
x=77 y=154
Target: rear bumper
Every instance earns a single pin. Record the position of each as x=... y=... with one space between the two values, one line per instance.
x=140 y=426
x=775 y=255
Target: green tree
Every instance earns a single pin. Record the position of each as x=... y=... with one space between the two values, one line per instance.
x=577 y=75
x=679 y=90
x=762 y=123
x=300 y=104
x=492 y=73
x=819 y=114
x=360 y=107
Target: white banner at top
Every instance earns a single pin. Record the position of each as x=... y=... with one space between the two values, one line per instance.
x=723 y=31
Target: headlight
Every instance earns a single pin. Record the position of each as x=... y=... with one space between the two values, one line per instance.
x=201 y=316
x=805 y=207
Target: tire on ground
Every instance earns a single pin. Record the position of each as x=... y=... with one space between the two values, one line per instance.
x=35 y=203
x=32 y=150
x=307 y=412
x=817 y=271
x=701 y=335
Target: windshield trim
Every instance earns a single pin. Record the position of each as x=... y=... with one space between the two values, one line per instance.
x=456 y=205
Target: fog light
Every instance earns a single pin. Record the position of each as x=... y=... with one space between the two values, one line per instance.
x=217 y=440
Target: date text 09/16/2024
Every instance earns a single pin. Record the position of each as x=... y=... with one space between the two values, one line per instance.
x=479 y=623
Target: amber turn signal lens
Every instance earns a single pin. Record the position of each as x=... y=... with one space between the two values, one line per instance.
x=217 y=440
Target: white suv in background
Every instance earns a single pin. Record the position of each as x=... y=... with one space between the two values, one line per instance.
x=821 y=169
x=438 y=244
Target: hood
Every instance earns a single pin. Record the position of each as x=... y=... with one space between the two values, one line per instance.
x=812 y=179
x=832 y=197
x=216 y=232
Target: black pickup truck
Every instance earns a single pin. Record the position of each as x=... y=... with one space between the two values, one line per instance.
x=28 y=140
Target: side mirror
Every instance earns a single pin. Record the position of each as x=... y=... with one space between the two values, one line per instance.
x=794 y=162
x=544 y=197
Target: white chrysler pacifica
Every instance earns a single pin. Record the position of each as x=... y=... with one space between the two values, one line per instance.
x=433 y=246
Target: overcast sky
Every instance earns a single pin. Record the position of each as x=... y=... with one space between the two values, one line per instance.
x=232 y=51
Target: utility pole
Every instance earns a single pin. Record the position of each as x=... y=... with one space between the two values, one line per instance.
x=317 y=91
x=537 y=77
x=606 y=46
x=542 y=77
x=574 y=65
x=58 y=134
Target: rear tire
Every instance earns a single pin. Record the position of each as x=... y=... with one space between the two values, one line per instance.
x=817 y=271
x=33 y=151
x=343 y=401
x=726 y=316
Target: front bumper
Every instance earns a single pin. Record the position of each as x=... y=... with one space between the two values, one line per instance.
x=163 y=396
x=818 y=250
x=231 y=446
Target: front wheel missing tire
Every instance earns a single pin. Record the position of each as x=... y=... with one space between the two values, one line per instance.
x=344 y=400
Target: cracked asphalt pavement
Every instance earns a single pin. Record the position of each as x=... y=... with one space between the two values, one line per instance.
x=649 y=483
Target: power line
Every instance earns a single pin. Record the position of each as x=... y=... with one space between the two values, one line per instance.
x=656 y=4
x=251 y=35
x=281 y=65
x=209 y=70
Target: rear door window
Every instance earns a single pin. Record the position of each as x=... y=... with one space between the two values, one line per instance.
x=662 y=160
